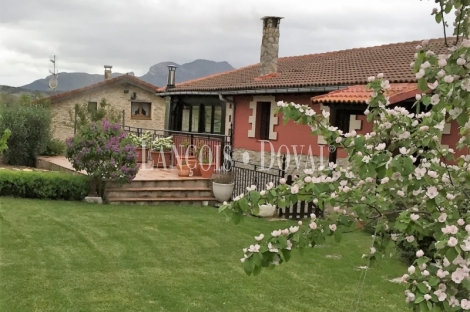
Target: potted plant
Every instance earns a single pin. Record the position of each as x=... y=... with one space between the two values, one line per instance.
x=206 y=164
x=222 y=185
x=184 y=169
x=187 y=158
x=160 y=152
x=140 y=142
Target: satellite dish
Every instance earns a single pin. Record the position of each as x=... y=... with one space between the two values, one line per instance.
x=53 y=82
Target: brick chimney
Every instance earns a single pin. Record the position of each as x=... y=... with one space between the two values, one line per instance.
x=270 y=45
x=107 y=72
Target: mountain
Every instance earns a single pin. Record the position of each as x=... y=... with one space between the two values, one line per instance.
x=68 y=81
x=157 y=75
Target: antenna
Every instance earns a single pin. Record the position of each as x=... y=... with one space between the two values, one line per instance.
x=53 y=82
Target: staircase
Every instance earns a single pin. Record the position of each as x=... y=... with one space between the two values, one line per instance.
x=188 y=191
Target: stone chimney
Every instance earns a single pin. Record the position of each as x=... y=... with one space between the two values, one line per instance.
x=270 y=45
x=107 y=72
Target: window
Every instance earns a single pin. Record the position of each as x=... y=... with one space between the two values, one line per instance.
x=140 y=110
x=200 y=118
x=263 y=120
x=92 y=106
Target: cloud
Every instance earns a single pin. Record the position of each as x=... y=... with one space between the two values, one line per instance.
x=132 y=36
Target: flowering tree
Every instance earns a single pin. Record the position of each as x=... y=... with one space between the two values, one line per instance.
x=105 y=152
x=400 y=179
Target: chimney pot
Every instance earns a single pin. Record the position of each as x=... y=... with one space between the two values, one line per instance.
x=107 y=72
x=270 y=45
x=171 y=76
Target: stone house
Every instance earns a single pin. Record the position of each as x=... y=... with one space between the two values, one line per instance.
x=334 y=81
x=135 y=98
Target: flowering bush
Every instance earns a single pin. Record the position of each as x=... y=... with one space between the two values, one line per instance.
x=164 y=144
x=400 y=178
x=140 y=141
x=105 y=152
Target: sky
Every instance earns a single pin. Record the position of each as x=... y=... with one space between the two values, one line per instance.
x=134 y=35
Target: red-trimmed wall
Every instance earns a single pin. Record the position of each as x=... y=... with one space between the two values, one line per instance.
x=291 y=134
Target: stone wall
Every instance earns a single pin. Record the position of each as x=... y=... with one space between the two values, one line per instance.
x=62 y=124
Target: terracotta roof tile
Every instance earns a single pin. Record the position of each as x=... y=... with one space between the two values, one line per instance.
x=346 y=67
x=123 y=78
x=359 y=94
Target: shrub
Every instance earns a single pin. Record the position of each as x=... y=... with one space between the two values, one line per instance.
x=105 y=152
x=30 y=132
x=55 y=147
x=83 y=116
x=43 y=185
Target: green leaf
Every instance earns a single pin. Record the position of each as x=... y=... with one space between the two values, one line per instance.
x=254 y=197
x=433 y=281
x=338 y=235
x=257 y=259
x=236 y=217
x=451 y=254
x=422 y=84
x=244 y=204
x=248 y=266
x=422 y=288
x=419 y=299
x=257 y=270
x=286 y=254
x=283 y=241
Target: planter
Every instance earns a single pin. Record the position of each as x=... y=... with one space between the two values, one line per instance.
x=161 y=159
x=267 y=210
x=191 y=162
x=222 y=192
x=183 y=171
x=139 y=151
x=206 y=170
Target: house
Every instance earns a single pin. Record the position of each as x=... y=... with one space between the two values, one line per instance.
x=135 y=98
x=246 y=98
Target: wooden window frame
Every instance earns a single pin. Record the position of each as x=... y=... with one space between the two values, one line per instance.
x=140 y=116
x=263 y=120
x=95 y=105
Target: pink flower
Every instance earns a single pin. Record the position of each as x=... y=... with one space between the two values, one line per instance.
x=465 y=304
x=293 y=229
x=299 y=223
x=410 y=238
x=460 y=222
x=285 y=231
x=276 y=233
x=442 y=62
x=461 y=61
x=289 y=245
x=431 y=192
x=434 y=85
x=272 y=248
x=411 y=270
x=435 y=99
x=441 y=274
x=443 y=217
x=452 y=242
x=427 y=297
x=313 y=216
x=449 y=79
x=414 y=216
x=254 y=248
x=372 y=250
x=419 y=253
x=333 y=227
x=459 y=275
x=294 y=189
x=336 y=209
x=282 y=181
x=402 y=194
x=313 y=225
x=260 y=237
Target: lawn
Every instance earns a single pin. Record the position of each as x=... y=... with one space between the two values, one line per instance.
x=68 y=256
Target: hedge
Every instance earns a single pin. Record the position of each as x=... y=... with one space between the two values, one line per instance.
x=43 y=185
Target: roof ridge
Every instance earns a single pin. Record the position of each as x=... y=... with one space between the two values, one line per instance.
x=211 y=76
x=417 y=41
x=103 y=83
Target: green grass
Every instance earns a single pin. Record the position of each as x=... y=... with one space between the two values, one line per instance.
x=68 y=256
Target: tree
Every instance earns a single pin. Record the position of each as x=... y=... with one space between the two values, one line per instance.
x=83 y=115
x=406 y=198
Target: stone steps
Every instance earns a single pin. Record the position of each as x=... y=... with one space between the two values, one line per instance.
x=159 y=192
x=184 y=191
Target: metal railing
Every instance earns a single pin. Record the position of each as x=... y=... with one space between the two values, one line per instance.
x=217 y=145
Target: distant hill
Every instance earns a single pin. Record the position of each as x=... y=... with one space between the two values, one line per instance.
x=157 y=75
x=68 y=81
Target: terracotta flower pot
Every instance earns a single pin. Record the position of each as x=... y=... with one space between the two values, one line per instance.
x=206 y=170
x=161 y=159
x=183 y=171
x=139 y=151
